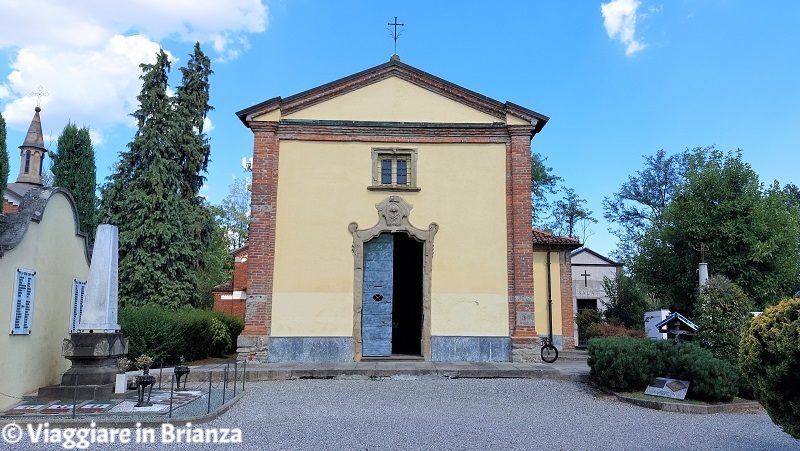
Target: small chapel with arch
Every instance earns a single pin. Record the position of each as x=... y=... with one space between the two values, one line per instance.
x=391 y=218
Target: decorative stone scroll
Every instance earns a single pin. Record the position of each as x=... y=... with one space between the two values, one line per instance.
x=393 y=213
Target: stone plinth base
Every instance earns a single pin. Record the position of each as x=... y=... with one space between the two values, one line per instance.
x=94 y=366
x=64 y=392
x=252 y=347
x=525 y=350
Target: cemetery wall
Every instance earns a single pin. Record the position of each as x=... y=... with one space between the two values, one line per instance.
x=51 y=248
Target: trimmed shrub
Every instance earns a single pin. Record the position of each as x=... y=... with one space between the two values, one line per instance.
x=150 y=330
x=626 y=363
x=712 y=379
x=769 y=357
x=190 y=333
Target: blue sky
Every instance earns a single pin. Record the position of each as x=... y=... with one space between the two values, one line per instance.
x=619 y=79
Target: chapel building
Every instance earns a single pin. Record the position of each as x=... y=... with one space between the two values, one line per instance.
x=391 y=216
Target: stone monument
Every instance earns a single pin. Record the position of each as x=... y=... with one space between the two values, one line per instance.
x=97 y=344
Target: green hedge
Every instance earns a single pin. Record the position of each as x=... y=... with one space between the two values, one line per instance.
x=191 y=333
x=625 y=363
x=769 y=355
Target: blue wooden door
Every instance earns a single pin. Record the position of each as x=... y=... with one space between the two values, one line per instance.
x=376 y=304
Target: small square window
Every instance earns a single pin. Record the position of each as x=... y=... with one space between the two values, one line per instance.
x=394 y=169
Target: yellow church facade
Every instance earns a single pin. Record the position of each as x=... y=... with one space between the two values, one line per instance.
x=390 y=216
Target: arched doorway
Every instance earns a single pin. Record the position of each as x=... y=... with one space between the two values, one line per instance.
x=391 y=284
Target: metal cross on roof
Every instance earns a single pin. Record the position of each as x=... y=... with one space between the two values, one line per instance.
x=39 y=94
x=394 y=33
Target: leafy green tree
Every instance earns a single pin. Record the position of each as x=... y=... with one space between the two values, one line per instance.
x=543 y=183
x=158 y=223
x=234 y=214
x=641 y=202
x=569 y=212
x=218 y=267
x=3 y=158
x=722 y=313
x=74 y=168
x=230 y=231
x=752 y=237
x=626 y=302
x=769 y=357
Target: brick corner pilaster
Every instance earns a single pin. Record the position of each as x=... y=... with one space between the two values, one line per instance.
x=519 y=236
x=261 y=241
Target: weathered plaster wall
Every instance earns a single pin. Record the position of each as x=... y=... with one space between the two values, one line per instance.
x=322 y=187
x=52 y=249
x=540 y=294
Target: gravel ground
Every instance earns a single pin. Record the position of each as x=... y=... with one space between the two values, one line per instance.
x=444 y=414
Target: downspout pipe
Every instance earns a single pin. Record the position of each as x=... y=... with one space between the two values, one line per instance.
x=549 y=300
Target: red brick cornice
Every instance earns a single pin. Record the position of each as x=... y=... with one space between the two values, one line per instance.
x=521 y=130
x=263 y=126
x=392 y=132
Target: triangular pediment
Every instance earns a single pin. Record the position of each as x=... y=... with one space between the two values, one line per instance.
x=392 y=92
x=588 y=257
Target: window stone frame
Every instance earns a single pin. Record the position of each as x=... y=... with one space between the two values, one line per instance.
x=394 y=153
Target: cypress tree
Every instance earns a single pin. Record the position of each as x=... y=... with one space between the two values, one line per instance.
x=3 y=159
x=74 y=168
x=192 y=108
x=157 y=224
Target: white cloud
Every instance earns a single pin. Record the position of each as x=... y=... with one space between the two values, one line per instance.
x=86 y=54
x=93 y=87
x=619 y=19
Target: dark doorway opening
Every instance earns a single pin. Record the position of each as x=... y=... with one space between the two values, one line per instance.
x=585 y=304
x=407 y=306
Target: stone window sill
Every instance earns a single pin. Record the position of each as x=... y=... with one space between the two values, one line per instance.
x=394 y=188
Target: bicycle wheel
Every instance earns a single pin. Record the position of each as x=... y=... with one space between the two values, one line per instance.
x=549 y=353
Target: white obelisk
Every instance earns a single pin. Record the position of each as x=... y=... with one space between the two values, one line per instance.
x=100 y=305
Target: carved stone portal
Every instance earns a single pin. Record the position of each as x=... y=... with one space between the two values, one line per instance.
x=393 y=213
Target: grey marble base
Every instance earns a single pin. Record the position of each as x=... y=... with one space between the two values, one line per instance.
x=310 y=349
x=470 y=349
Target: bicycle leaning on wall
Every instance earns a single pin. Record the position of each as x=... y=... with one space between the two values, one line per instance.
x=549 y=352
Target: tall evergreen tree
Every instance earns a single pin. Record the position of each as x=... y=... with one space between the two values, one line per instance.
x=191 y=106
x=157 y=223
x=74 y=168
x=3 y=158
